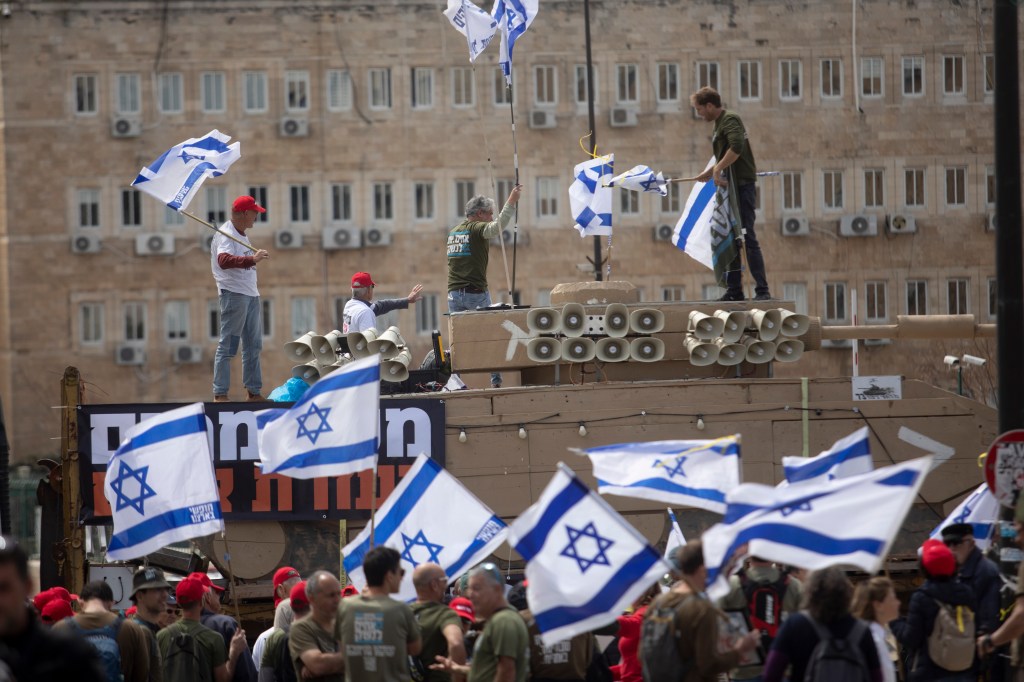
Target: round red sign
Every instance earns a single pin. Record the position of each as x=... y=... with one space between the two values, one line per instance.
x=1004 y=466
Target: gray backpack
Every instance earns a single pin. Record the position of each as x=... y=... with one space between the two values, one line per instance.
x=837 y=659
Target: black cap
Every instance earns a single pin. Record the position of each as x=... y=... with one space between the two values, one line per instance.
x=957 y=532
x=148 y=578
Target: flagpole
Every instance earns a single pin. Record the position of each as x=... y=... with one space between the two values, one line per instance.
x=593 y=128
x=231 y=575
x=515 y=163
x=373 y=503
x=214 y=228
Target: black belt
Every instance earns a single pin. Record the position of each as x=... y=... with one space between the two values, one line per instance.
x=471 y=290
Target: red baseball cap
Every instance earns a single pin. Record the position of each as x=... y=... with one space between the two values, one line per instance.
x=298 y=596
x=56 y=610
x=43 y=598
x=190 y=590
x=246 y=203
x=281 y=576
x=937 y=559
x=464 y=608
x=205 y=581
x=361 y=280
x=131 y=610
x=349 y=591
x=62 y=593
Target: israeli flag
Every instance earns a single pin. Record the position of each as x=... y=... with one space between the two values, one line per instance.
x=429 y=516
x=848 y=521
x=981 y=510
x=676 y=538
x=690 y=473
x=513 y=17
x=692 y=233
x=590 y=199
x=161 y=486
x=848 y=456
x=331 y=431
x=176 y=175
x=477 y=25
x=641 y=179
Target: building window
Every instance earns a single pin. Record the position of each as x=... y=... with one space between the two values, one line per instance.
x=380 y=88
x=212 y=95
x=422 y=88
x=503 y=187
x=172 y=218
x=580 y=84
x=831 y=78
x=463 y=87
x=339 y=90
x=917 y=297
x=85 y=94
x=383 y=206
x=876 y=301
x=833 y=189
x=913 y=185
x=547 y=197
x=956 y=186
x=990 y=185
x=254 y=96
x=217 y=205
x=268 y=317
x=303 y=315
x=626 y=85
x=502 y=95
x=88 y=208
x=135 y=321
x=790 y=77
x=176 y=320
x=296 y=91
x=953 y=75
x=427 y=314
x=129 y=99
x=545 y=86
x=673 y=293
x=871 y=76
x=423 y=197
x=260 y=194
x=213 y=318
x=629 y=203
x=171 y=93
x=792 y=191
x=835 y=302
x=993 y=297
x=989 y=73
x=874 y=188
x=131 y=208
x=298 y=203
x=341 y=202
x=671 y=203
x=796 y=292
x=464 y=191
x=90 y=323
x=913 y=76
x=957 y=299
x=668 y=83
x=707 y=75
x=750 y=80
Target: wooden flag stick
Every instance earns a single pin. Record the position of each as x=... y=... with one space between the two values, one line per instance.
x=373 y=503
x=214 y=228
x=231 y=574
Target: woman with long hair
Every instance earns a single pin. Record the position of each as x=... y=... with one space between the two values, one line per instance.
x=875 y=601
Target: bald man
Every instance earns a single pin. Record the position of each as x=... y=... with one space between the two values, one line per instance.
x=439 y=625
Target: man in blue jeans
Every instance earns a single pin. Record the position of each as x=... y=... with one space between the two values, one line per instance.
x=468 y=253
x=241 y=315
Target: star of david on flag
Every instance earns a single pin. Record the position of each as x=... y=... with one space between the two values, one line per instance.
x=981 y=510
x=330 y=431
x=428 y=517
x=641 y=179
x=161 y=485
x=176 y=175
x=848 y=456
x=513 y=17
x=692 y=473
x=590 y=200
x=585 y=564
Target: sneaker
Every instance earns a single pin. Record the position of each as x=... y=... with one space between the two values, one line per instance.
x=731 y=297
x=763 y=297
x=255 y=398
x=221 y=399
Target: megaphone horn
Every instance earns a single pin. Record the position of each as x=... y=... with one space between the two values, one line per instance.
x=616 y=320
x=359 y=343
x=612 y=349
x=702 y=353
x=308 y=372
x=647 y=320
x=578 y=349
x=735 y=322
x=544 y=320
x=543 y=349
x=759 y=351
x=573 y=319
x=301 y=348
x=793 y=324
x=397 y=368
x=789 y=350
x=647 y=349
x=325 y=347
x=388 y=344
x=730 y=354
x=766 y=322
x=705 y=327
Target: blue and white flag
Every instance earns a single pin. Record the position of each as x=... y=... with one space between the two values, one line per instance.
x=161 y=486
x=429 y=516
x=981 y=510
x=331 y=431
x=175 y=177
x=675 y=536
x=641 y=179
x=513 y=17
x=590 y=199
x=693 y=229
x=848 y=456
x=477 y=25
x=691 y=473
x=585 y=564
x=848 y=521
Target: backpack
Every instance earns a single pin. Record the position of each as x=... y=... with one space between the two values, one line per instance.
x=659 y=641
x=104 y=641
x=764 y=604
x=837 y=659
x=186 y=660
x=951 y=643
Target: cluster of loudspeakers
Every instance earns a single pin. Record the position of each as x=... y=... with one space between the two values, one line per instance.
x=755 y=336
x=566 y=334
x=317 y=355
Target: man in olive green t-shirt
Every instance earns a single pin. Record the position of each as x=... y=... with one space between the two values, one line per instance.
x=440 y=625
x=314 y=642
x=189 y=593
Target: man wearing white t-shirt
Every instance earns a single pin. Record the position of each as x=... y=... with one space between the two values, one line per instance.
x=241 y=315
x=361 y=310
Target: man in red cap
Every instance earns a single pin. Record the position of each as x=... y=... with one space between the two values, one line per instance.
x=361 y=310
x=174 y=640
x=285 y=579
x=241 y=314
x=225 y=626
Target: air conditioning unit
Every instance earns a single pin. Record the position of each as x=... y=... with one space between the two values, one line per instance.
x=376 y=236
x=542 y=118
x=126 y=354
x=835 y=343
x=663 y=233
x=990 y=222
x=623 y=117
x=795 y=226
x=901 y=223
x=287 y=239
x=154 y=245
x=85 y=243
x=506 y=236
x=123 y=126
x=342 y=238
x=187 y=355
x=206 y=241
x=294 y=127
x=858 y=226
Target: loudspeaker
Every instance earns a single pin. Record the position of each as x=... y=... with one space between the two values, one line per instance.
x=388 y=344
x=793 y=324
x=647 y=349
x=309 y=372
x=325 y=348
x=397 y=367
x=766 y=322
x=616 y=320
x=301 y=349
x=543 y=349
x=647 y=321
x=359 y=343
x=702 y=353
x=544 y=320
x=573 y=319
x=705 y=327
x=789 y=350
x=730 y=354
x=611 y=349
x=577 y=349
x=734 y=324
x=759 y=351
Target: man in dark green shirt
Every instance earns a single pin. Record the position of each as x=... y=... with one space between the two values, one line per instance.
x=440 y=626
x=221 y=660
x=734 y=161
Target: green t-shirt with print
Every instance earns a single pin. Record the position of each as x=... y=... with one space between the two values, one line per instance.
x=504 y=634
x=375 y=633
